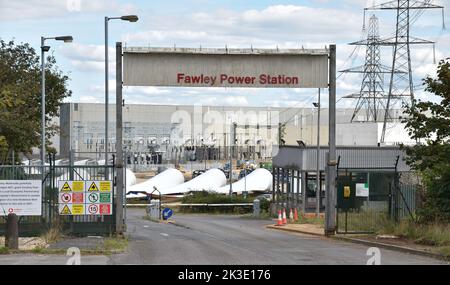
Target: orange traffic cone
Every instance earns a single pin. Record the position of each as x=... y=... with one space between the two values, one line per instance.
x=284 y=217
x=295 y=214
x=280 y=222
x=291 y=216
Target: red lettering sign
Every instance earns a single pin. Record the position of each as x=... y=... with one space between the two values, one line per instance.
x=226 y=79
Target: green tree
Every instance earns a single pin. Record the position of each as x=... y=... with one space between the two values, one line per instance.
x=20 y=98
x=429 y=123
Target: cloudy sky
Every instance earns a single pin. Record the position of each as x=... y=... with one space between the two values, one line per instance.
x=210 y=23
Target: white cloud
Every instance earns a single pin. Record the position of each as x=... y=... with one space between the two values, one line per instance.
x=36 y=9
x=235 y=101
x=89 y=58
x=283 y=25
x=90 y=99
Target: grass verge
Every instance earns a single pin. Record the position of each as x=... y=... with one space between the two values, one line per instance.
x=111 y=245
x=306 y=220
x=425 y=234
x=4 y=250
x=115 y=245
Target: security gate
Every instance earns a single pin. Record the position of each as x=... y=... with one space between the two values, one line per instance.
x=370 y=198
x=50 y=218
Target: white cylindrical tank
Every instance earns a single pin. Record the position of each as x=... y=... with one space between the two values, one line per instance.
x=166 y=179
x=211 y=180
x=130 y=178
x=260 y=180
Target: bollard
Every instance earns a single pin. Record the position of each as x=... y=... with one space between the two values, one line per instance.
x=256 y=208
x=12 y=232
x=154 y=210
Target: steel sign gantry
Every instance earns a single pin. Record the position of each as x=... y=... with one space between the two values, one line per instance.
x=249 y=68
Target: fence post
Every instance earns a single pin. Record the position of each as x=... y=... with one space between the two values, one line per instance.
x=12 y=232
x=120 y=226
x=390 y=202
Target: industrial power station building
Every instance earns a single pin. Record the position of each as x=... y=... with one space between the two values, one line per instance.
x=254 y=130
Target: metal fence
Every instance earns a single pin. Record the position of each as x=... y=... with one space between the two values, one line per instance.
x=286 y=192
x=389 y=201
x=50 y=218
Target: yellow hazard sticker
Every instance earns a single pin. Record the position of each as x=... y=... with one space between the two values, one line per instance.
x=347 y=192
x=65 y=210
x=78 y=186
x=66 y=187
x=93 y=187
x=105 y=186
x=78 y=209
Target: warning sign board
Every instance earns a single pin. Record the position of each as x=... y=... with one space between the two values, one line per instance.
x=85 y=197
x=105 y=198
x=93 y=209
x=65 y=198
x=105 y=186
x=78 y=198
x=77 y=209
x=66 y=187
x=78 y=186
x=92 y=198
x=105 y=209
x=65 y=210
x=347 y=191
x=93 y=187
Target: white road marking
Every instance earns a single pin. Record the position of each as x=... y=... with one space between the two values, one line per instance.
x=146 y=226
x=164 y=234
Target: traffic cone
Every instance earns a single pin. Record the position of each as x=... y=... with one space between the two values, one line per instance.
x=295 y=214
x=284 y=217
x=291 y=216
x=280 y=222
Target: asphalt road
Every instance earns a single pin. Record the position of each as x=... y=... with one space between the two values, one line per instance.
x=229 y=240
x=223 y=240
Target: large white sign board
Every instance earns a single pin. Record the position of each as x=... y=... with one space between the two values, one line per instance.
x=225 y=68
x=362 y=190
x=21 y=197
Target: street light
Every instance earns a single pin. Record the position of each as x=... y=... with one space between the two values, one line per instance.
x=44 y=49
x=318 y=189
x=129 y=18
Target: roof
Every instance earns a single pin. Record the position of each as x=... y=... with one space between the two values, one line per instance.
x=176 y=50
x=351 y=157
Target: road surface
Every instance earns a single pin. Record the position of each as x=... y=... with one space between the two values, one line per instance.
x=229 y=240
x=224 y=240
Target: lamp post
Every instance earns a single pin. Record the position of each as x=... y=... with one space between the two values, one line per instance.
x=44 y=49
x=129 y=18
x=318 y=189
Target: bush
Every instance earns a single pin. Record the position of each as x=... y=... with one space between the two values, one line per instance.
x=264 y=205
x=436 y=207
x=205 y=197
